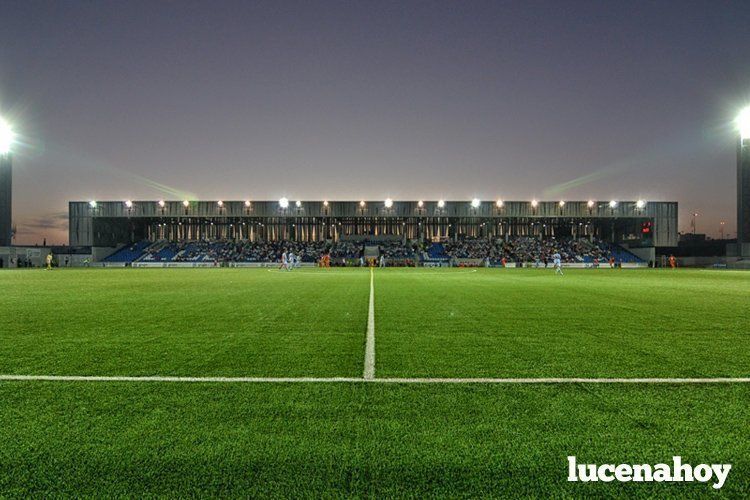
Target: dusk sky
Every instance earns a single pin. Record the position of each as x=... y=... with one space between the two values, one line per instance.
x=118 y=100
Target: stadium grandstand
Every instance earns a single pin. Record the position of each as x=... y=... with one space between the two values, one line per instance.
x=457 y=233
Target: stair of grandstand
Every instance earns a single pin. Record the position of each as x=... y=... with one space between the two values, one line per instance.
x=371 y=252
x=168 y=252
x=621 y=254
x=590 y=251
x=129 y=253
x=159 y=252
x=193 y=252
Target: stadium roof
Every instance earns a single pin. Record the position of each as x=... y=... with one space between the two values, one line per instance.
x=371 y=208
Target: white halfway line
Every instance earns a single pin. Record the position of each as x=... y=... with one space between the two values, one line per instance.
x=395 y=380
x=369 y=371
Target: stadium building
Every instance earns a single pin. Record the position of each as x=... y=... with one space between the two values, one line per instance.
x=121 y=232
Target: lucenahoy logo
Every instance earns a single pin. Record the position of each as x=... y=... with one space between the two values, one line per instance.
x=675 y=472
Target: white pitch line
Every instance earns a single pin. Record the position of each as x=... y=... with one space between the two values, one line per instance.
x=558 y=380
x=123 y=378
x=369 y=371
x=277 y=380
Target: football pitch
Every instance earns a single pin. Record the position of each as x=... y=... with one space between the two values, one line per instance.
x=352 y=382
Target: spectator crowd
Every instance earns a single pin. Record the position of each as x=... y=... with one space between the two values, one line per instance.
x=519 y=249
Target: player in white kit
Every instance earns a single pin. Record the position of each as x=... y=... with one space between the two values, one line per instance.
x=284 y=261
x=557 y=260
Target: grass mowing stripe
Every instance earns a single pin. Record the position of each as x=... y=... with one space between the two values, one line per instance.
x=369 y=372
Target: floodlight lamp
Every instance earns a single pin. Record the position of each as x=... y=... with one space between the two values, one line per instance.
x=283 y=203
x=612 y=204
x=185 y=203
x=534 y=203
x=7 y=136
x=441 y=203
x=475 y=203
x=220 y=203
x=129 y=204
x=743 y=123
x=247 y=203
x=640 y=203
x=92 y=204
x=325 y=203
x=499 y=203
x=388 y=203
x=161 y=203
x=420 y=203
x=362 y=203
x=590 y=204
x=298 y=204
x=562 y=203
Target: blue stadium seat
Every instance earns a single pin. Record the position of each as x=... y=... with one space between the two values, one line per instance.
x=437 y=251
x=129 y=253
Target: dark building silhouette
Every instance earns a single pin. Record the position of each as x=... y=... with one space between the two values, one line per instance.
x=743 y=196
x=6 y=200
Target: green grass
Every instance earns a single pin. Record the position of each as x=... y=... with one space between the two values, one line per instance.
x=359 y=439
x=316 y=440
x=222 y=322
x=532 y=323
